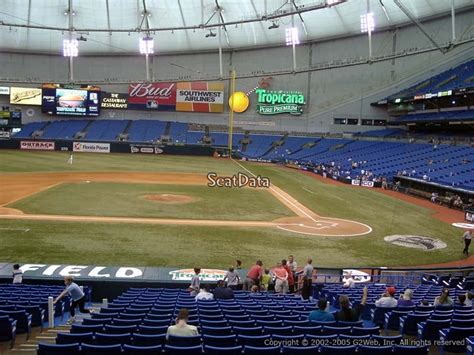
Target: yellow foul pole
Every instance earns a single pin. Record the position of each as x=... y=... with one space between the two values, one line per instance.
x=231 y=111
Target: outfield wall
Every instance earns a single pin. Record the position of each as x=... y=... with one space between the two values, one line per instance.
x=105 y=147
x=340 y=92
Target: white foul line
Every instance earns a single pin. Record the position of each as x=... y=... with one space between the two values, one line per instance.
x=16 y=229
x=278 y=193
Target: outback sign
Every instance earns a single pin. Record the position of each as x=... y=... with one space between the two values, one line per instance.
x=276 y=102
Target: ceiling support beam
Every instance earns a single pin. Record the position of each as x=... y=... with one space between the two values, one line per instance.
x=453 y=22
x=108 y=16
x=71 y=28
x=419 y=25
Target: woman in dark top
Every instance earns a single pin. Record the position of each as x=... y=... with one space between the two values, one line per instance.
x=348 y=314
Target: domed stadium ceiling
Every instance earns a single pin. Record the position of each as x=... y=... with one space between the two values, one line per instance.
x=115 y=26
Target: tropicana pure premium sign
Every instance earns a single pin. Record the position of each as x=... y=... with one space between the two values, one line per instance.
x=276 y=102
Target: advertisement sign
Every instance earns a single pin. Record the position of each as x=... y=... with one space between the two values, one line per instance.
x=200 y=96
x=277 y=102
x=114 y=101
x=4 y=90
x=367 y=183
x=91 y=147
x=355 y=182
x=469 y=216
x=4 y=135
x=152 y=96
x=145 y=149
x=205 y=275
x=25 y=96
x=70 y=100
x=36 y=145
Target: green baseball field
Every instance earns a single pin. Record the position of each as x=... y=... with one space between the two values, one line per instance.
x=147 y=210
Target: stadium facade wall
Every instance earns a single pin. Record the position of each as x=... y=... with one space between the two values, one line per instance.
x=332 y=93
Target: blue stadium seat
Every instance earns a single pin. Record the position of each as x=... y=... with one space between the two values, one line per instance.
x=137 y=350
x=314 y=330
x=470 y=346
x=429 y=330
x=454 y=338
x=375 y=350
x=110 y=339
x=216 y=350
x=55 y=349
x=220 y=340
x=120 y=329
x=79 y=328
x=148 y=339
x=187 y=350
x=365 y=331
x=337 y=350
x=278 y=330
x=261 y=350
x=247 y=330
x=409 y=323
x=90 y=349
x=410 y=350
x=7 y=329
x=252 y=340
x=70 y=338
x=188 y=341
x=23 y=321
x=144 y=329
x=216 y=330
x=295 y=350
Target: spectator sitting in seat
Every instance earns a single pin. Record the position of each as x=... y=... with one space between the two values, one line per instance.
x=221 y=292
x=182 y=328
x=387 y=300
x=469 y=297
x=254 y=290
x=462 y=300
x=348 y=281
x=348 y=314
x=458 y=202
x=405 y=299
x=204 y=294
x=443 y=300
x=321 y=314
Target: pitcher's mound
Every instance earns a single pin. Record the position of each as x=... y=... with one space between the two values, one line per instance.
x=169 y=198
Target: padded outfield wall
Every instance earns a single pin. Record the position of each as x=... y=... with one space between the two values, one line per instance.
x=331 y=93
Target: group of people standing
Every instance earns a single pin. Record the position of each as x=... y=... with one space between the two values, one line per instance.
x=283 y=278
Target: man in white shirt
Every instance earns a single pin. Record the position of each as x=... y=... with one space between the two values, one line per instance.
x=387 y=300
x=348 y=281
x=204 y=294
x=182 y=328
x=467 y=237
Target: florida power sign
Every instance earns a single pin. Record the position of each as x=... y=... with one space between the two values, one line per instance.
x=276 y=102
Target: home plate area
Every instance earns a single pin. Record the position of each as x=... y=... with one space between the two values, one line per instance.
x=322 y=226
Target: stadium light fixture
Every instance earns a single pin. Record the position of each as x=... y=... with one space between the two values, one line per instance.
x=146 y=45
x=274 y=25
x=70 y=48
x=367 y=22
x=292 y=37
